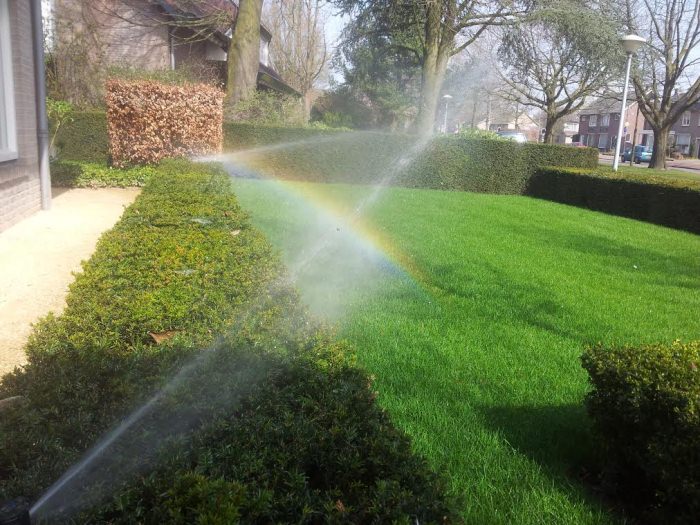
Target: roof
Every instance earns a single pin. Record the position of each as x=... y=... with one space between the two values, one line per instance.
x=222 y=12
x=604 y=105
x=269 y=78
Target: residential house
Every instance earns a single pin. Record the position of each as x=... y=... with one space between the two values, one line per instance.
x=24 y=179
x=502 y=119
x=599 y=123
x=684 y=136
x=567 y=132
x=153 y=35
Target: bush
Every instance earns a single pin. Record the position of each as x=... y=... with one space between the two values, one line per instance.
x=71 y=174
x=83 y=137
x=645 y=405
x=150 y=121
x=444 y=162
x=268 y=108
x=272 y=422
x=657 y=199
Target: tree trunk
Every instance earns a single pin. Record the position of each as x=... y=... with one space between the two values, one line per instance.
x=549 y=124
x=658 y=156
x=244 y=52
x=434 y=68
x=435 y=57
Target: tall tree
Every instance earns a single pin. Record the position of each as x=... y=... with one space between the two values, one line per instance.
x=666 y=79
x=557 y=57
x=442 y=28
x=380 y=64
x=298 y=49
x=244 y=51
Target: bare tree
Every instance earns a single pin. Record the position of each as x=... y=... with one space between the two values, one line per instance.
x=556 y=59
x=666 y=79
x=299 y=50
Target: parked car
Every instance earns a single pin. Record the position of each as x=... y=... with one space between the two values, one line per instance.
x=641 y=154
x=511 y=134
x=577 y=144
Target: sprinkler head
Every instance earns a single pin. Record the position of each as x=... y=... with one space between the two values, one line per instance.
x=15 y=512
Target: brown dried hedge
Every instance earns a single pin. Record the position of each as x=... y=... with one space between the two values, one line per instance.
x=149 y=121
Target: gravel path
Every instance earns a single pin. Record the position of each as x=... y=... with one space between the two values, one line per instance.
x=39 y=254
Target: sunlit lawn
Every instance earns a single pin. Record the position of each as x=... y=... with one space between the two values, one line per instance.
x=474 y=331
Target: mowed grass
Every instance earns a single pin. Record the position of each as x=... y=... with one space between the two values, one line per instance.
x=474 y=331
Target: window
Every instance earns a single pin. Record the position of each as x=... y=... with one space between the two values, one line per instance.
x=264 y=52
x=593 y=121
x=603 y=141
x=605 y=120
x=685 y=119
x=8 y=137
x=683 y=143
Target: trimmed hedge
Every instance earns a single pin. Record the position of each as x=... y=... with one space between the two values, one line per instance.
x=444 y=162
x=150 y=121
x=659 y=200
x=83 y=137
x=645 y=405
x=272 y=424
x=73 y=174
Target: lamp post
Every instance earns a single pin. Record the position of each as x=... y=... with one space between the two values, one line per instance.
x=447 y=99
x=630 y=43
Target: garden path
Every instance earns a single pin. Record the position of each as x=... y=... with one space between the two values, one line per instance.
x=39 y=255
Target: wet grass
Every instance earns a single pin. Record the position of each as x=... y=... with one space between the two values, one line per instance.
x=474 y=325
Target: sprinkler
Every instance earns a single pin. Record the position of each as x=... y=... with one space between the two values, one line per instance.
x=15 y=512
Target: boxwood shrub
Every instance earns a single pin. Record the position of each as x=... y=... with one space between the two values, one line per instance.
x=444 y=162
x=271 y=422
x=83 y=137
x=645 y=404
x=74 y=174
x=667 y=201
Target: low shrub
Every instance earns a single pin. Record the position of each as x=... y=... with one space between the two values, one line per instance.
x=83 y=137
x=271 y=422
x=149 y=121
x=268 y=108
x=663 y=200
x=443 y=162
x=72 y=174
x=645 y=405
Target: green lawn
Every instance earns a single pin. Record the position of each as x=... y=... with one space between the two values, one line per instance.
x=474 y=324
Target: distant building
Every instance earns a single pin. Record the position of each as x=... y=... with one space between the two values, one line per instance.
x=506 y=119
x=568 y=133
x=684 y=136
x=599 y=124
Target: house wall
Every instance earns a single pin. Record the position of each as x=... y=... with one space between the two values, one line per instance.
x=691 y=133
x=603 y=136
x=113 y=32
x=20 y=193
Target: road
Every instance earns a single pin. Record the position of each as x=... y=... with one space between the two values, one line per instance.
x=688 y=165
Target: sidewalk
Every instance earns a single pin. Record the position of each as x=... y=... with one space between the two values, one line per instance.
x=39 y=254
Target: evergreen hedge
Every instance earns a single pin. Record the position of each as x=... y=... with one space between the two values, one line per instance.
x=645 y=405
x=646 y=197
x=83 y=137
x=270 y=423
x=74 y=174
x=444 y=162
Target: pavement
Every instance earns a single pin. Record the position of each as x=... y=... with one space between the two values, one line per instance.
x=688 y=165
x=39 y=255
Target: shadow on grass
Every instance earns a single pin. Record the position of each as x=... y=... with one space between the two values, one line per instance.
x=558 y=437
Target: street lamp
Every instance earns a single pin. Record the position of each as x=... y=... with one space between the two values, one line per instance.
x=447 y=99
x=630 y=43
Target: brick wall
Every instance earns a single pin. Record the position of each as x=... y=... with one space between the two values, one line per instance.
x=20 y=194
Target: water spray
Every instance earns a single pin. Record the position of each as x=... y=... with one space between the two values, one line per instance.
x=15 y=512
